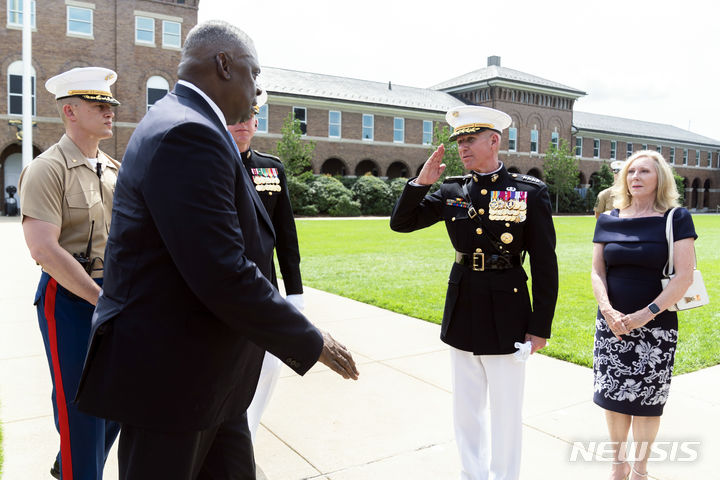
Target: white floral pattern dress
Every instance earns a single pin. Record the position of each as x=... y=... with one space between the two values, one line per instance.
x=632 y=375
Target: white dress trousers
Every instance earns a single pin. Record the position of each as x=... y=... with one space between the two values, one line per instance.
x=269 y=375
x=487 y=414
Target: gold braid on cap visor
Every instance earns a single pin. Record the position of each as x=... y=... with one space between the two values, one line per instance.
x=71 y=93
x=471 y=128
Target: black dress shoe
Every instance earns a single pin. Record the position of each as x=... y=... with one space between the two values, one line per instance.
x=55 y=470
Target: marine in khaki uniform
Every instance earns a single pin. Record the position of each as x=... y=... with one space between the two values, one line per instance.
x=493 y=219
x=605 y=198
x=67 y=195
x=268 y=176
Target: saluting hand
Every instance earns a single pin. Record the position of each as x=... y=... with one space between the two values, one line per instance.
x=433 y=167
x=336 y=356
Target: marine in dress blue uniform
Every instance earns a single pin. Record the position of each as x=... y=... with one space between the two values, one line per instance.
x=67 y=195
x=493 y=218
x=269 y=180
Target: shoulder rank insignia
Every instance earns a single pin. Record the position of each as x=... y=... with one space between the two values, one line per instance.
x=508 y=206
x=266 y=179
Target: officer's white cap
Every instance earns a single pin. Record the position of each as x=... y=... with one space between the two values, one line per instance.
x=617 y=165
x=88 y=83
x=473 y=119
x=260 y=101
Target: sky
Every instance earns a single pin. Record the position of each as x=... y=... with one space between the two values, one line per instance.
x=657 y=61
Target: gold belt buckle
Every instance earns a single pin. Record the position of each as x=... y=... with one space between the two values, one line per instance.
x=478 y=257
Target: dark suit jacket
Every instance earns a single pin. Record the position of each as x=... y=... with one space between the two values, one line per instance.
x=187 y=304
x=487 y=312
x=276 y=199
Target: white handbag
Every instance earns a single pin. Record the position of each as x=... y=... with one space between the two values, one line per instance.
x=696 y=294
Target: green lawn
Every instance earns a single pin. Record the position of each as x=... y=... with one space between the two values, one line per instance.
x=407 y=273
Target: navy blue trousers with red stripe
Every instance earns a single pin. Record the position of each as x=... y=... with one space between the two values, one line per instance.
x=65 y=325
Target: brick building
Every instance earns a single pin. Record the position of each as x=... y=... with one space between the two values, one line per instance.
x=139 y=39
x=359 y=126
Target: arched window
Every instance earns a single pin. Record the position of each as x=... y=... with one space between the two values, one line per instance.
x=157 y=87
x=15 y=81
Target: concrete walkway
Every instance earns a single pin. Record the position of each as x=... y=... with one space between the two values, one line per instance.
x=393 y=423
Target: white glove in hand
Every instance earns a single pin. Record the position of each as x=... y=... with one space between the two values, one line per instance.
x=297 y=301
x=523 y=352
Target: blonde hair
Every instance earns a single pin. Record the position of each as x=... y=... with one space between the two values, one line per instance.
x=666 y=194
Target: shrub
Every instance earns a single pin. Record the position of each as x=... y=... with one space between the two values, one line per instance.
x=327 y=192
x=347 y=181
x=345 y=207
x=300 y=197
x=397 y=185
x=373 y=194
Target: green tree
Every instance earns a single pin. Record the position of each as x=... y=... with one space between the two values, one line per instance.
x=561 y=171
x=451 y=159
x=295 y=153
x=603 y=179
x=680 y=183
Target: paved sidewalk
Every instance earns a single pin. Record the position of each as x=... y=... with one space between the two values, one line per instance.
x=393 y=423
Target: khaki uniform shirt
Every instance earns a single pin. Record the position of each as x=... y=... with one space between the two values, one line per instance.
x=60 y=187
x=604 y=201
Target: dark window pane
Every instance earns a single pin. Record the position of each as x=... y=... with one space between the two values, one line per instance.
x=155 y=94
x=16 y=105
x=16 y=84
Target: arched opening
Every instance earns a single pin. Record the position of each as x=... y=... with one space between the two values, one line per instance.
x=535 y=172
x=594 y=180
x=15 y=85
x=397 y=169
x=706 y=194
x=513 y=170
x=581 y=180
x=10 y=169
x=157 y=87
x=333 y=166
x=695 y=192
x=367 y=166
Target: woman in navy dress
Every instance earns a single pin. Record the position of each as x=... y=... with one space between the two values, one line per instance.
x=635 y=336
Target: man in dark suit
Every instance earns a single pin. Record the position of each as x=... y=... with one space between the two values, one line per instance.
x=268 y=177
x=492 y=217
x=187 y=308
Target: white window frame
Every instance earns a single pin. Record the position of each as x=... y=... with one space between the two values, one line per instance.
x=596 y=148
x=613 y=149
x=644 y=146
x=555 y=139
x=371 y=126
x=262 y=118
x=72 y=33
x=17 y=12
x=628 y=149
x=138 y=29
x=578 y=146
x=427 y=132
x=398 y=131
x=302 y=122
x=16 y=70
x=337 y=124
x=536 y=141
x=659 y=149
x=512 y=139
x=155 y=82
x=685 y=156
x=672 y=155
x=165 y=34
x=709 y=157
x=697 y=158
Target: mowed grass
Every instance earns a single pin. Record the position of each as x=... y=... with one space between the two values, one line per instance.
x=364 y=260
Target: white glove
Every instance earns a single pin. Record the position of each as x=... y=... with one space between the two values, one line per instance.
x=297 y=301
x=523 y=352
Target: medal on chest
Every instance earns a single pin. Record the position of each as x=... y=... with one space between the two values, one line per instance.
x=266 y=179
x=508 y=206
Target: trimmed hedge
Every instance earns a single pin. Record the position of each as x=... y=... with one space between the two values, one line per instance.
x=330 y=196
x=374 y=195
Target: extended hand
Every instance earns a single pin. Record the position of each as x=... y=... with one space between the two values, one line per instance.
x=433 y=167
x=335 y=355
x=536 y=342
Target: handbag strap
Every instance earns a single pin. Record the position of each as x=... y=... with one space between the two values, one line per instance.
x=669 y=266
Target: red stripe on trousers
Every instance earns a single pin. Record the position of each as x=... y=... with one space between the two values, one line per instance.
x=65 y=454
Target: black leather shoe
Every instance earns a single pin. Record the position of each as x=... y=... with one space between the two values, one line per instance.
x=55 y=470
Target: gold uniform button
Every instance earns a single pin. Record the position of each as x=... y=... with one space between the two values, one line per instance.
x=475 y=179
x=515 y=290
x=453 y=219
x=479 y=231
x=478 y=250
x=483 y=192
x=514 y=175
x=507 y=224
x=481 y=211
